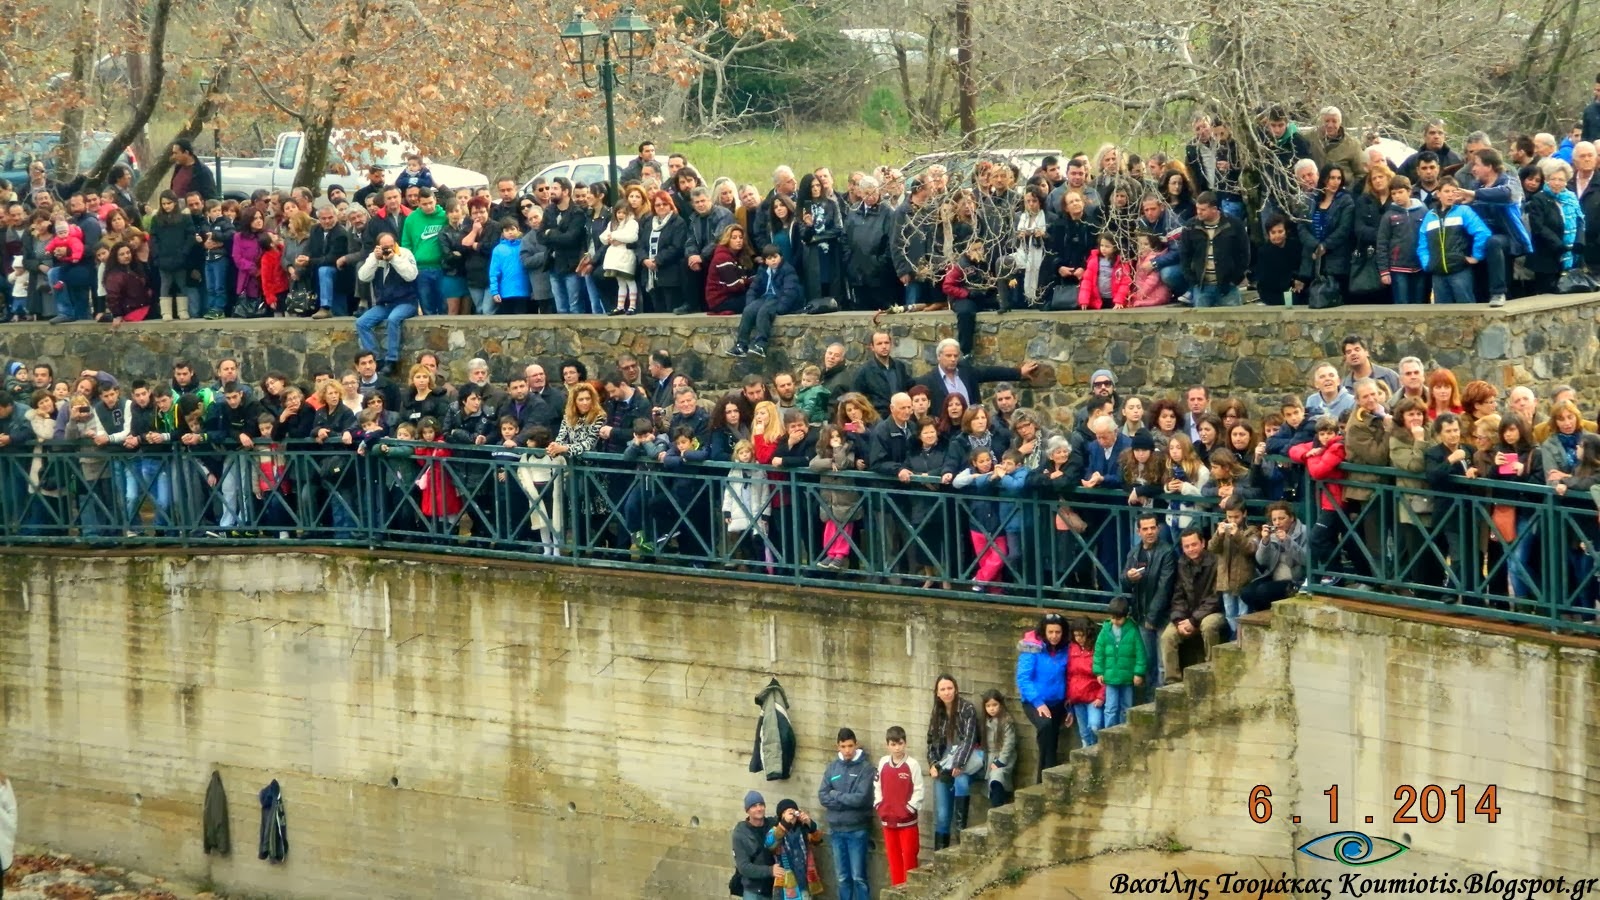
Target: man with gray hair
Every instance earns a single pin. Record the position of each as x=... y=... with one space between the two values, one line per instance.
x=955 y=374
x=478 y=376
x=706 y=222
x=1332 y=144
x=1544 y=146
x=1477 y=140
x=1412 y=376
x=1585 y=157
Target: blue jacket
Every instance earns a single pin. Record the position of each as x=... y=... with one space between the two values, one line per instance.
x=507 y=278
x=1448 y=240
x=785 y=286
x=846 y=793
x=1500 y=208
x=1041 y=676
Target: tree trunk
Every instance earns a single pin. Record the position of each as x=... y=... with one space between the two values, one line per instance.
x=155 y=173
x=135 y=62
x=146 y=104
x=967 y=86
x=319 y=128
x=77 y=98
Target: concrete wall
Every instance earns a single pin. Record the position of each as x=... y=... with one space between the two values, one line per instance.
x=1326 y=695
x=1255 y=351
x=441 y=730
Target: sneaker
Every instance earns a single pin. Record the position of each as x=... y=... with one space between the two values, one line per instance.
x=684 y=310
x=216 y=314
x=758 y=350
x=62 y=320
x=1497 y=300
x=827 y=562
x=322 y=314
x=737 y=350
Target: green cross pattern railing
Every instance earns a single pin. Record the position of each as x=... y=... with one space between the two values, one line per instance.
x=1432 y=549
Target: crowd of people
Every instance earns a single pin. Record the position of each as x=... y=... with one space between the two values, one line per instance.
x=1323 y=217
x=1190 y=504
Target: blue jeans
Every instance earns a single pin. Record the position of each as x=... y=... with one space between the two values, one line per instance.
x=430 y=291
x=141 y=476
x=597 y=300
x=1518 y=579
x=1456 y=287
x=916 y=292
x=569 y=292
x=1409 y=287
x=344 y=518
x=481 y=301
x=850 y=864
x=394 y=316
x=1090 y=719
x=327 y=297
x=1172 y=277
x=944 y=791
x=1209 y=295
x=216 y=271
x=1119 y=698
x=72 y=302
x=195 y=293
x=1233 y=607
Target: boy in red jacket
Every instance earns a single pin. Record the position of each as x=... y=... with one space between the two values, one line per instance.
x=1323 y=458
x=896 y=796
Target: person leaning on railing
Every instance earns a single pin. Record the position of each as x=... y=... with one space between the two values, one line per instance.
x=1578 y=486
x=1409 y=442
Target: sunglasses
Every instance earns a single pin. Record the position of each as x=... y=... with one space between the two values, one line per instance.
x=1102 y=384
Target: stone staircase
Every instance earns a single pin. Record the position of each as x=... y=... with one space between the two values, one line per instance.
x=1148 y=783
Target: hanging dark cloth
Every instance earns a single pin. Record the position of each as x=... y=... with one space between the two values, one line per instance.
x=774 y=753
x=274 y=844
x=214 y=819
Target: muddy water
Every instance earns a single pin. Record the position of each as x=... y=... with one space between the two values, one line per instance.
x=1094 y=879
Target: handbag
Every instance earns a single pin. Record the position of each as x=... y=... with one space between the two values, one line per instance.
x=974 y=764
x=1324 y=291
x=1064 y=298
x=820 y=306
x=247 y=307
x=1067 y=520
x=1364 y=272
x=301 y=301
x=1575 y=281
x=1505 y=523
x=586 y=266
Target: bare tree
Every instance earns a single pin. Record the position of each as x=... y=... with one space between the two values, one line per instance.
x=145 y=103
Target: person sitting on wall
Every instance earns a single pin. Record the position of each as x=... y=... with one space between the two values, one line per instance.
x=1196 y=605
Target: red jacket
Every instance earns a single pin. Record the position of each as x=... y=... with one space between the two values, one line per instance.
x=1089 y=287
x=725 y=281
x=1082 y=685
x=899 y=789
x=439 y=497
x=274 y=280
x=1322 y=467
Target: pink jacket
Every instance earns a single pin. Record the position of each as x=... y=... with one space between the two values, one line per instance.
x=1089 y=288
x=1148 y=289
x=72 y=241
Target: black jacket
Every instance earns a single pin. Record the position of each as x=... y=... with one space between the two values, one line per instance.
x=1069 y=241
x=889 y=446
x=1232 y=251
x=878 y=382
x=274 y=843
x=971 y=377
x=436 y=405
x=671 y=258
x=910 y=240
x=1546 y=227
x=866 y=236
x=1338 y=237
x=214 y=818
x=566 y=236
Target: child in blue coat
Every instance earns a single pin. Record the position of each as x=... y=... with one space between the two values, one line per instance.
x=508 y=281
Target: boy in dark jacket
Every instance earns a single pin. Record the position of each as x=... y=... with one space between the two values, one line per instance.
x=774 y=291
x=1396 y=246
x=644 y=452
x=969 y=285
x=1275 y=266
x=217 y=238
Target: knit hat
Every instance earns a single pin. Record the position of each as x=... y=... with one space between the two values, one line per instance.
x=753 y=798
x=1143 y=441
x=13 y=367
x=786 y=804
x=1103 y=373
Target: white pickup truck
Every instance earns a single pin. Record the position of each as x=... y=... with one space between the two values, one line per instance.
x=348 y=158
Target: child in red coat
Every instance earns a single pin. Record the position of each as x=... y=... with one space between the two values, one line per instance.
x=1323 y=458
x=896 y=797
x=274 y=280
x=1107 y=277
x=441 y=503
x=1086 y=696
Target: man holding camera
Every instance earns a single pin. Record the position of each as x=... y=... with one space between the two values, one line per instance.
x=392 y=271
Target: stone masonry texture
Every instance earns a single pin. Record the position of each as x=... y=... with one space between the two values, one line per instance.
x=1257 y=352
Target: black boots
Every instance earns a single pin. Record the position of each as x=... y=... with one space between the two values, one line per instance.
x=940 y=841
x=958 y=818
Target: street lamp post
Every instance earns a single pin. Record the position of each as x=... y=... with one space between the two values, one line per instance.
x=628 y=37
x=216 y=135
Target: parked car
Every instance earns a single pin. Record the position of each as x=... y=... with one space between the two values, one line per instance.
x=350 y=153
x=583 y=170
x=19 y=150
x=960 y=163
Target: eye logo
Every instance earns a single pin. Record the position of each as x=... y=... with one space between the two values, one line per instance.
x=1352 y=848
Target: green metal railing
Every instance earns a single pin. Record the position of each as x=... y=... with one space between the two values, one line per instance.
x=1006 y=545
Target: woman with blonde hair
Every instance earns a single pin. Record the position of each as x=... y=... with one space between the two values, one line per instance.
x=580 y=424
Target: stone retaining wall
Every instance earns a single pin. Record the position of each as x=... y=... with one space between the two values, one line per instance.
x=1255 y=351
